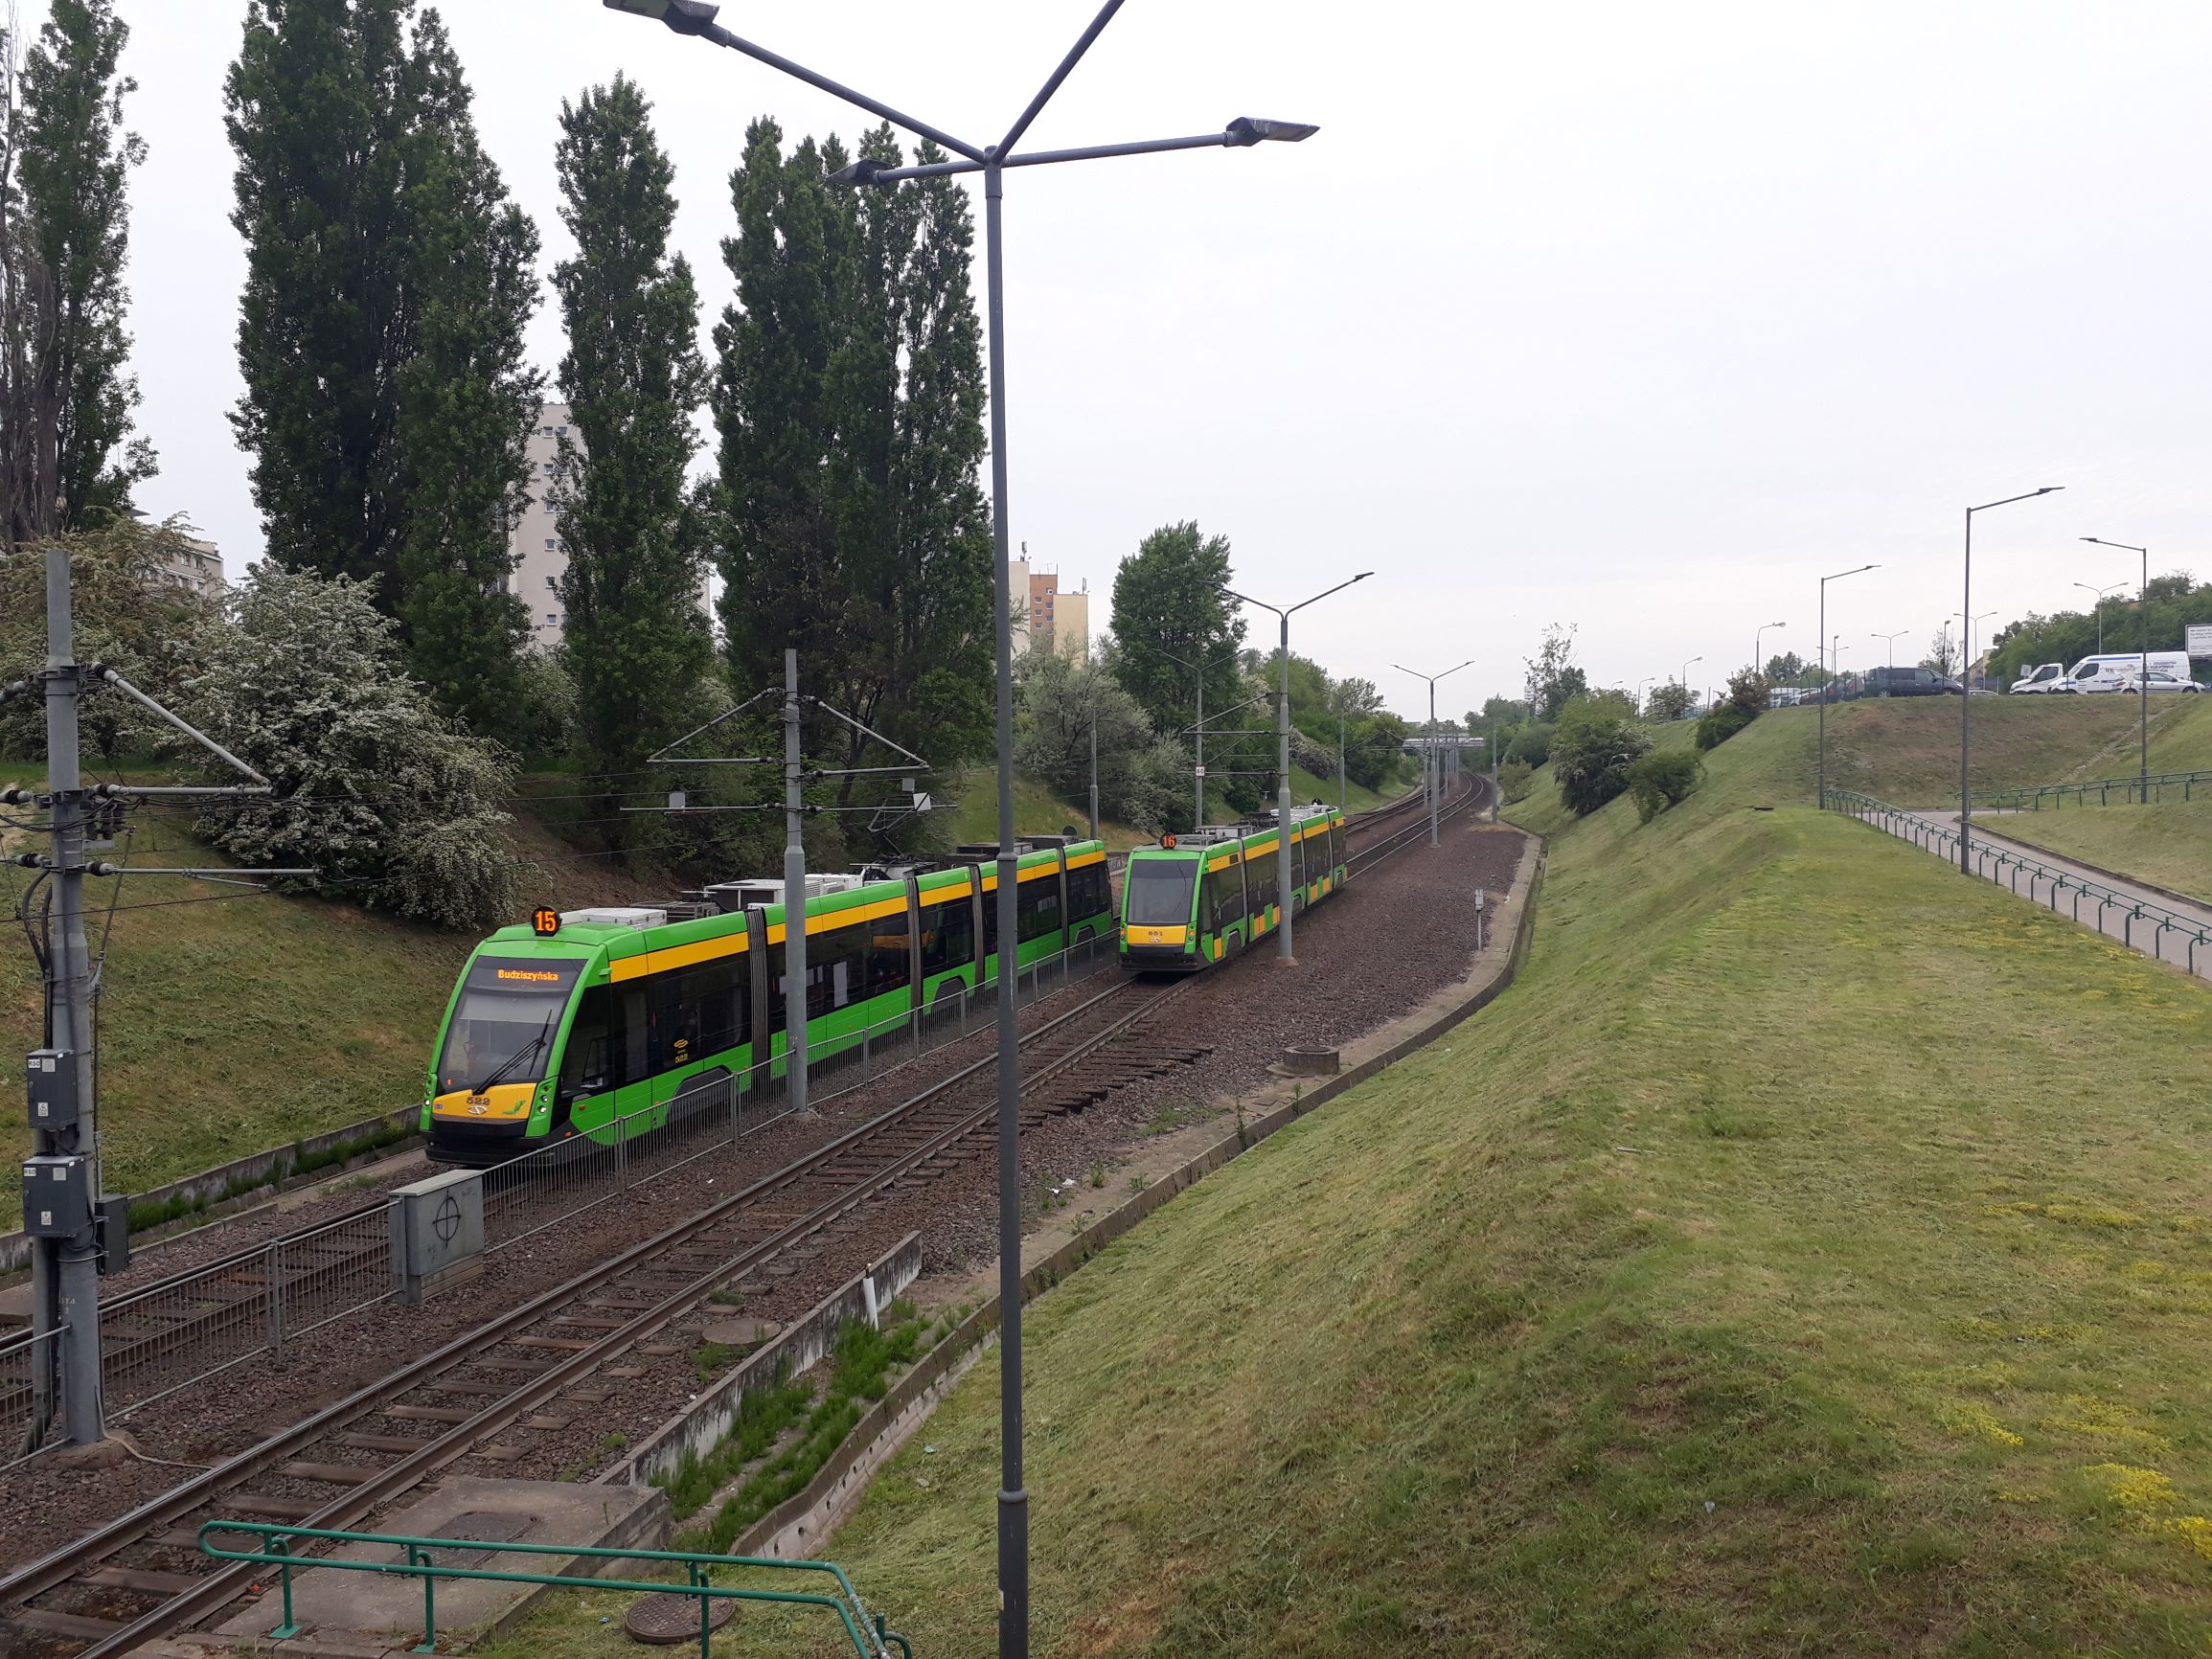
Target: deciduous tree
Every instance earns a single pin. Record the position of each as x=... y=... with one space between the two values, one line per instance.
x=637 y=644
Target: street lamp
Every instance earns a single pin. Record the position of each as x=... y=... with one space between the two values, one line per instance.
x=1640 y=685
x=1433 y=679
x=696 y=17
x=1966 y=669
x=1821 y=795
x=1684 y=680
x=1283 y=763
x=1758 y=663
x=1890 y=640
x=1966 y=695
x=2100 y=592
x=2143 y=678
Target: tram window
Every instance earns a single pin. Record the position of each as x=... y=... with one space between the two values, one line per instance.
x=607 y=1043
x=1297 y=862
x=1087 y=894
x=1223 y=894
x=890 y=968
x=835 y=962
x=947 y=934
x=1037 y=908
x=991 y=922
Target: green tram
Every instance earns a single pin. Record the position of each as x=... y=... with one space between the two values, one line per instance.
x=591 y=1023
x=1196 y=898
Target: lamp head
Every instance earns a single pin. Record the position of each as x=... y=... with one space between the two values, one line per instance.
x=1247 y=130
x=859 y=172
x=684 y=16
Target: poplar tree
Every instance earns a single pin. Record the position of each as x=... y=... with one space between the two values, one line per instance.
x=318 y=109
x=389 y=280
x=636 y=640
x=466 y=403
x=74 y=161
x=848 y=402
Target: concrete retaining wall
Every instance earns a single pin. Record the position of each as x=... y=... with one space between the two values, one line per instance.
x=699 y=1427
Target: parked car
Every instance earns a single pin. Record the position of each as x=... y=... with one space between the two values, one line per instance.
x=2043 y=679
x=1911 y=683
x=2160 y=680
x=2116 y=670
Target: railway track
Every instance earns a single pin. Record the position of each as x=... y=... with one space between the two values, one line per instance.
x=533 y=1369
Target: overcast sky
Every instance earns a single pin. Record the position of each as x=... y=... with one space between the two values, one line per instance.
x=1636 y=317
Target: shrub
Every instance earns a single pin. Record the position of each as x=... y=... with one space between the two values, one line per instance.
x=1722 y=723
x=371 y=786
x=1592 y=753
x=1664 y=780
x=1513 y=780
x=1531 y=744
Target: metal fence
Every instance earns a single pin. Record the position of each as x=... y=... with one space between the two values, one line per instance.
x=178 y=1330
x=2145 y=925
x=162 y=1337
x=2099 y=792
x=29 y=1406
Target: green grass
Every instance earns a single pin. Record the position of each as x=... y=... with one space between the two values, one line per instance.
x=1763 y=1273
x=1904 y=750
x=1036 y=811
x=231 y=1026
x=1305 y=785
x=2168 y=844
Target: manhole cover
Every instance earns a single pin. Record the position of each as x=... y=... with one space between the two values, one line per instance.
x=665 y=1620
x=476 y=1527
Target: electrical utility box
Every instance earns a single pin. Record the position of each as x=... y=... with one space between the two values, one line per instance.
x=111 y=1232
x=56 y=1197
x=51 y=1088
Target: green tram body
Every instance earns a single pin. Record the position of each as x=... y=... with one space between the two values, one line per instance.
x=613 y=1021
x=1205 y=898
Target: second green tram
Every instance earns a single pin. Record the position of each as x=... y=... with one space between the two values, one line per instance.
x=592 y=1024
x=1197 y=899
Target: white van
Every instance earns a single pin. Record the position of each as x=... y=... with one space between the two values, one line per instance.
x=2117 y=671
x=2043 y=679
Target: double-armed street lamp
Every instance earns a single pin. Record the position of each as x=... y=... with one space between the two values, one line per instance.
x=2143 y=677
x=1966 y=622
x=1966 y=697
x=1821 y=786
x=1890 y=640
x=696 y=17
x=2100 y=592
x=1282 y=888
x=1684 y=679
x=1435 y=781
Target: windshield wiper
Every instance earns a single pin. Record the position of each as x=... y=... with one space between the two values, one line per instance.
x=517 y=1057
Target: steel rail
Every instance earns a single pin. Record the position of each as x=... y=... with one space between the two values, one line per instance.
x=61 y=1566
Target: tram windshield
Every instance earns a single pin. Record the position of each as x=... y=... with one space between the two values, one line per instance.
x=506 y=1022
x=1159 y=892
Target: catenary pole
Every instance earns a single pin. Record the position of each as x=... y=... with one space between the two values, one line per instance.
x=794 y=898
x=1094 y=772
x=72 y=1283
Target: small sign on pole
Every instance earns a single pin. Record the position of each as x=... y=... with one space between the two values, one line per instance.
x=1201 y=771
x=2201 y=639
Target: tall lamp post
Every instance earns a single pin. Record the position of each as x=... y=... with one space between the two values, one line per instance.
x=696 y=17
x=1758 y=637
x=1684 y=679
x=2143 y=677
x=1821 y=795
x=1282 y=952
x=1966 y=698
x=1433 y=679
x=1890 y=640
x=1966 y=664
x=2101 y=592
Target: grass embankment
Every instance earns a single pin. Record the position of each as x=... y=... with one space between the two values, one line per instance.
x=234 y=1024
x=1038 y=811
x=2168 y=844
x=1904 y=750
x=1765 y=1272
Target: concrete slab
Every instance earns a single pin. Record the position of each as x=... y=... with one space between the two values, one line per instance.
x=370 y=1608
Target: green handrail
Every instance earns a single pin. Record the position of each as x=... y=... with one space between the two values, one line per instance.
x=277 y=1540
